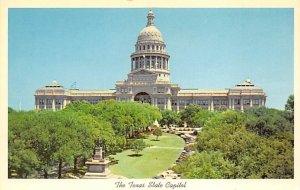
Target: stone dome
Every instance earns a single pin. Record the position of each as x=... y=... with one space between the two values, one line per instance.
x=150 y=33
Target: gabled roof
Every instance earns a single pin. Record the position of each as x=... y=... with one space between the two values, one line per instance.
x=141 y=71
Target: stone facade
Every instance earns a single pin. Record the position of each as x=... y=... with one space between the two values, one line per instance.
x=149 y=82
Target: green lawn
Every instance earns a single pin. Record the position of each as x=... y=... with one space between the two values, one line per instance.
x=155 y=159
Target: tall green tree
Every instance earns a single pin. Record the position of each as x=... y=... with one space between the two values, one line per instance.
x=289 y=106
x=188 y=113
x=169 y=118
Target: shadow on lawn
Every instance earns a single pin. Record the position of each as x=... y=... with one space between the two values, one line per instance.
x=135 y=155
x=154 y=140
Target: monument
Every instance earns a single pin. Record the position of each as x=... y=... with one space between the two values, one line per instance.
x=97 y=166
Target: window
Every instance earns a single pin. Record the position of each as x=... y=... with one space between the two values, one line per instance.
x=143 y=47
x=148 y=46
x=42 y=102
x=236 y=101
x=153 y=47
x=188 y=102
x=161 y=90
x=223 y=102
x=202 y=102
x=256 y=102
x=124 y=90
x=216 y=102
x=246 y=102
x=160 y=101
x=57 y=102
x=181 y=102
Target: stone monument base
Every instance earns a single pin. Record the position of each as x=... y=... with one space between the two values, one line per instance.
x=97 y=169
x=91 y=175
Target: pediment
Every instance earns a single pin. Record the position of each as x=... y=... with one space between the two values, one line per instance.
x=141 y=72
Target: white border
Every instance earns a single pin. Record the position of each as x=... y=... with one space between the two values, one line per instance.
x=12 y=184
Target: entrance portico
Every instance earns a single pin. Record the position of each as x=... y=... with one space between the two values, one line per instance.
x=142 y=97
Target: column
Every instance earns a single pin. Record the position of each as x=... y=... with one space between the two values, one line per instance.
x=137 y=62
x=37 y=104
x=150 y=61
x=167 y=63
x=61 y=104
x=132 y=64
x=165 y=104
x=242 y=104
x=53 y=104
x=212 y=104
x=177 y=105
x=45 y=104
x=263 y=102
x=64 y=103
x=209 y=104
x=169 y=106
x=155 y=65
x=184 y=104
x=251 y=103
x=229 y=103
x=233 y=102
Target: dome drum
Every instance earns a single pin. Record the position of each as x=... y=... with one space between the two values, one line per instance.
x=150 y=62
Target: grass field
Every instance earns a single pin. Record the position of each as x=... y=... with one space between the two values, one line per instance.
x=155 y=159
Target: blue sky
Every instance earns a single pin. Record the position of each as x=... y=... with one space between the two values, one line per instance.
x=209 y=48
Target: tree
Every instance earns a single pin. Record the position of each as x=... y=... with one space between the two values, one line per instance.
x=289 y=106
x=137 y=146
x=187 y=114
x=169 y=118
x=195 y=116
x=251 y=155
x=205 y=165
x=267 y=122
x=157 y=132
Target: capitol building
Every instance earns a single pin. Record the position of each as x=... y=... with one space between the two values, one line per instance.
x=149 y=82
